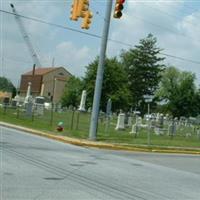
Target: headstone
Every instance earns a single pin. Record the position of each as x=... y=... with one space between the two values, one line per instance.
x=83 y=100
x=120 y=122
x=39 y=105
x=29 y=106
x=139 y=121
x=129 y=121
x=157 y=117
x=17 y=99
x=28 y=93
x=14 y=103
x=70 y=107
x=140 y=124
x=39 y=109
x=109 y=108
x=161 y=121
x=158 y=131
x=20 y=100
x=198 y=133
x=172 y=128
x=188 y=135
x=135 y=129
x=59 y=108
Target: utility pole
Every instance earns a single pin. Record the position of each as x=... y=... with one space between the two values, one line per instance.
x=100 y=71
x=149 y=126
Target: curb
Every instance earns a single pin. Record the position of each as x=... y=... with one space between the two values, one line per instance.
x=102 y=145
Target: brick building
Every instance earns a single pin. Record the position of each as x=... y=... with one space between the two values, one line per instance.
x=47 y=82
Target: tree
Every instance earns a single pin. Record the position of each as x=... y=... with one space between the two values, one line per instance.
x=179 y=91
x=143 y=66
x=114 y=84
x=7 y=86
x=72 y=92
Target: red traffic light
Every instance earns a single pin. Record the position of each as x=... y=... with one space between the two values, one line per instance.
x=118 y=8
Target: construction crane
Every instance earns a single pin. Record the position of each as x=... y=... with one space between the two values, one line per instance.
x=22 y=29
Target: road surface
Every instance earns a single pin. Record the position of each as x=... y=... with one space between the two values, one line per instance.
x=36 y=168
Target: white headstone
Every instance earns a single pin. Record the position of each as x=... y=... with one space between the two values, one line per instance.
x=39 y=109
x=135 y=129
x=129 y=121
x=39 y=105
x=120 y=122
x=139 y=121
x=28 y=94
x=83 y=100
x=17 y=99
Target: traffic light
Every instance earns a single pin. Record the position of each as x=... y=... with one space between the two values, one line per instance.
x=118 y=8
x=80 y=8
x=87 y=20
x=83 y=6
x=74 y=10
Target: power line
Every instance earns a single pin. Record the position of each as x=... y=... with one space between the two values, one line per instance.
x=180 y=58
x=161 y=27
x=17 y=60
x=51 y=24
x=191 y=8
x=167 y=13
x=158 y=26
x=93 y=35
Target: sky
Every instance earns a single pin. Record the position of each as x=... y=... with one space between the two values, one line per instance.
x=175 y=24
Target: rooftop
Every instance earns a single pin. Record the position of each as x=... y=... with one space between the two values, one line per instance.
x=41 y=71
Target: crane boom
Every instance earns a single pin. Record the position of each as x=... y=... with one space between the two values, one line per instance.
x=26 y=37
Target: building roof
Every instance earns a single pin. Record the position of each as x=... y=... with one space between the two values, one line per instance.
x=41 y=71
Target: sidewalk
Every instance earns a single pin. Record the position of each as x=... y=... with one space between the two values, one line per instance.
x=102 y=145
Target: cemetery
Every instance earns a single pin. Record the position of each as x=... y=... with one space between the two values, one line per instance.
x=129 y=128
x=125 y=128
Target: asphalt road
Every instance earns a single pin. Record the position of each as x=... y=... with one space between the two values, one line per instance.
x=36 y=168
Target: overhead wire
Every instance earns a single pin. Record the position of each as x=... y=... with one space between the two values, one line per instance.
x=91 y=34
x=191 y=8
x=17 y=60
x=160 y=26
x=167 y=13
x=51 y=24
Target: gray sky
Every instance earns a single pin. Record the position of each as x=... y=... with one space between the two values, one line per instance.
x=174 y=23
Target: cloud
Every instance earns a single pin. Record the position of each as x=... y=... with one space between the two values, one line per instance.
x=73 y=57
x=46 y=40
x=177 y=31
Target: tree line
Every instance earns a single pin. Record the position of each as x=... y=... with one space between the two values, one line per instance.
x=137 y=73
x=7 y=86
x=128 y=79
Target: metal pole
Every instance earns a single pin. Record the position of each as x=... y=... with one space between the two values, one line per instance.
x=100 y=71
x=52 y=101
x=149 y=123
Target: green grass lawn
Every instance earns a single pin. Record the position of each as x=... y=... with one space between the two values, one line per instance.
x=77 y=125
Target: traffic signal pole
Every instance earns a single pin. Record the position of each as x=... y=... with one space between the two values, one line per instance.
x=100 y=71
